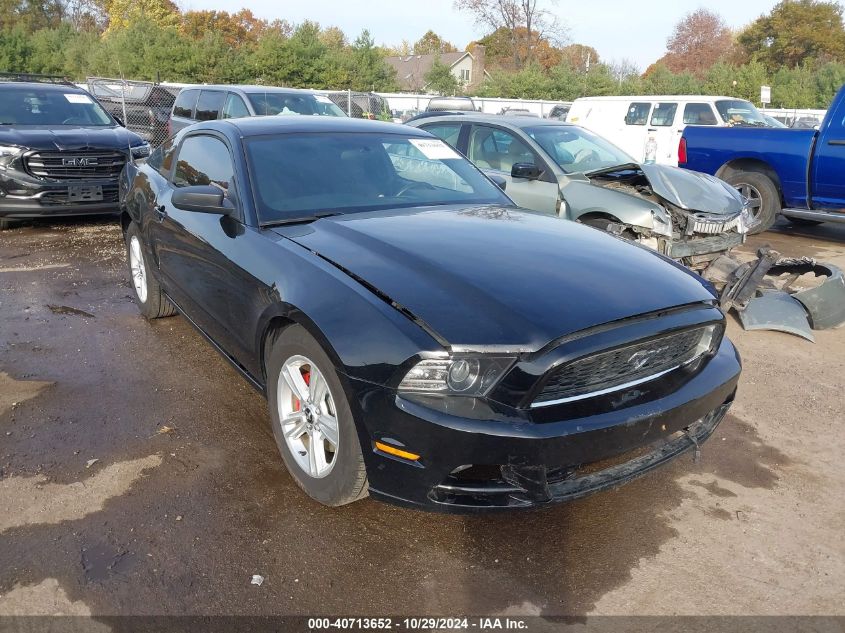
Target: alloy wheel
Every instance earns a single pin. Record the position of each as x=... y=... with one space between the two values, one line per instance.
x=755 y=200
x=308 y=416
x=139 y=271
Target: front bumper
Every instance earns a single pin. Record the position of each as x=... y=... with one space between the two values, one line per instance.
x=22 y=197
x=697 y=245
x=486 y=458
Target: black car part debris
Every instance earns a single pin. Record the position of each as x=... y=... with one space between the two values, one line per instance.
x=765 y=301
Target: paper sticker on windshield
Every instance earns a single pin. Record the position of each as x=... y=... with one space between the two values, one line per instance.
x=76 y=98
x=434 y=148
x=323 y=99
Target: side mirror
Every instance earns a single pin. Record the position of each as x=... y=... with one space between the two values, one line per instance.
x=500 y=181
x=528 y=171
x=119 y=120
x=203 y=199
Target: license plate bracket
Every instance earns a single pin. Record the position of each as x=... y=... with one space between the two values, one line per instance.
x=84 y=193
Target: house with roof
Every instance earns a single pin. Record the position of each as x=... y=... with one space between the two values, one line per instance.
x=467 y=67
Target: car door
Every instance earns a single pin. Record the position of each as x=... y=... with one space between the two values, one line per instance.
x=828 y=183
x=634 y=133
x=193 y=248
x=663 y=130
x=496 y=150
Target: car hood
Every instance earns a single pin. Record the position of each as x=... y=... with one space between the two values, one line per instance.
x=692 y=190
x=68 y=138
x=488 y=278
x=689 y=190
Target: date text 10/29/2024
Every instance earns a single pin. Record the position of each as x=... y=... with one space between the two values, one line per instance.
x=419 y=623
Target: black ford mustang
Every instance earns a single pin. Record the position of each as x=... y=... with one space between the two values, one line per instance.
x=417 y=337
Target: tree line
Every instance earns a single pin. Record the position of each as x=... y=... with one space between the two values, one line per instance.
x=798 y=48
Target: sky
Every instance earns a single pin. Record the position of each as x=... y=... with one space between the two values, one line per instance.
x=617 y=29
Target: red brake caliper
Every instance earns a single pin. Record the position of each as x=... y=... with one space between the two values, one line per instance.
x=296 y=403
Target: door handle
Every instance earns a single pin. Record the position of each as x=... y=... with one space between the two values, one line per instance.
x=836 y=141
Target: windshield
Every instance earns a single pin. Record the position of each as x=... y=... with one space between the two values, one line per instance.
x=51 y=107
x=740 y=112
x=271 y=103
x=304 y=175
x=577 y=150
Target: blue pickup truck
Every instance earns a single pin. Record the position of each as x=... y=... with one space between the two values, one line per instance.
x=799 y=173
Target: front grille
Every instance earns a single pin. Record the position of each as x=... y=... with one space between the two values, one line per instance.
x=76 y=165
x=713 y=226
x=632 y=364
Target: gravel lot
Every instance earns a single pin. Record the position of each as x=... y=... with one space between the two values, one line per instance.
x=138 y=475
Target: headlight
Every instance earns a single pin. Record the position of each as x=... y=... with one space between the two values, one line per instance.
x=8 y=153
x=465 y=376
x=662 y=223
x=141 y=151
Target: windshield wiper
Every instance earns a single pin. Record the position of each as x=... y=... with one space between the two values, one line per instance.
x=299 y=220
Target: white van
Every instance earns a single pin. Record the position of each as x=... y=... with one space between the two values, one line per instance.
x=632 y=122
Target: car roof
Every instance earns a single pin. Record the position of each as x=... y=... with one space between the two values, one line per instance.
x=512 y=121
x=248 y=89
x=37 y=85
x=660 y=98
x=293 y=124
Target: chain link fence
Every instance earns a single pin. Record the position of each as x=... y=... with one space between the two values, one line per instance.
x=143 y=106
x=359 y=105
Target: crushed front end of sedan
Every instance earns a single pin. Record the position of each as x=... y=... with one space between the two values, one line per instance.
x=690 y=217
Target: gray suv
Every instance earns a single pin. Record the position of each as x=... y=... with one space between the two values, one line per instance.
x=207 y=103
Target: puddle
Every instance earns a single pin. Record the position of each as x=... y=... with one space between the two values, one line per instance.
x=33 y=501
x=13 y=392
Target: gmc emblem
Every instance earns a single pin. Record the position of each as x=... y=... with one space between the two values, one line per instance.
x=79 y=161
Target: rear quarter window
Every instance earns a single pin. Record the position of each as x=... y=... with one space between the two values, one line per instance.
x=185 y=102
x=209 y=105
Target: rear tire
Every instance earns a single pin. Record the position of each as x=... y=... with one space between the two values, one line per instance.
x=331 y=472
x=151 y=300
x=762 y=192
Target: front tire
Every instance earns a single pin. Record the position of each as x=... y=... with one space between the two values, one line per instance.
x=312 y=422
x=151 y=300
x=763 y=194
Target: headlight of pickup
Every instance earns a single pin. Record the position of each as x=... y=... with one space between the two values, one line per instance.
x=141 y=151
x=8 y=153
x=464 y=376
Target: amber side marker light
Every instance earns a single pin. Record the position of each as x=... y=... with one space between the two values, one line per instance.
x=392 y=450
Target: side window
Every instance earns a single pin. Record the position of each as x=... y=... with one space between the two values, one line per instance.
x=664 y=114
x=235 y=107
x=448 y=132
x=699 y=114
x=204 y=160
x=185 y=102
x=637 y=113
x=492 y=148
x=209 y=105
x=162 y=158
